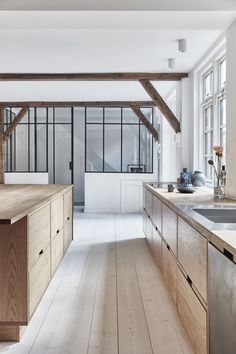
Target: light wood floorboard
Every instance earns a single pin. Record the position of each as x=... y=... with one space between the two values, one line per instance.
x=107 y=297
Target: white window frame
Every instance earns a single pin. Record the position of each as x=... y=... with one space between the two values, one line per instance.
x=219 y=93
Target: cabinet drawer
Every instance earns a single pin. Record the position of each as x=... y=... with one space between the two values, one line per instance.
x=38 y=233
x=149 y=203
x=149 y=231
x=157 y=213
x=56 y=251
x=144 y=198
x=193 y=315
x=68 y=199
x=57 y=216
x=68 y=234
x=192 y=254
x=39 y=278
x=169 y=228
x=156 y=247
x=169 y=271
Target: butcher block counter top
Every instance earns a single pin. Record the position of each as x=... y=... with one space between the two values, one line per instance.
x=222 y=236
x=19 y=200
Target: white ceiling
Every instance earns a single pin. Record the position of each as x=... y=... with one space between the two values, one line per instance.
x=178 y=5
x=100 y=42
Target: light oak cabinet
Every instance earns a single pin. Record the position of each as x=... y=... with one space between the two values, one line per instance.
x=192 y=255
x=157 y=213
x=157 y=247
x=193 y=315
x=30 y=252
x=169 y=270
x=169 y=228
x=180 y=252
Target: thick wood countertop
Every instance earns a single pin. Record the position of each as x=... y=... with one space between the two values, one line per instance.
x=181 y=203
x=19 y=200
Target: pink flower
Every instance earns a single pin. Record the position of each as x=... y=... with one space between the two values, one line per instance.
x=218 y=150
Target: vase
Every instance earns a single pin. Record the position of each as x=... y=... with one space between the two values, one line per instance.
x=218 y=188
x=198 y=179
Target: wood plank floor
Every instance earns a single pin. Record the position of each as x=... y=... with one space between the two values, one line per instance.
x=106 y=297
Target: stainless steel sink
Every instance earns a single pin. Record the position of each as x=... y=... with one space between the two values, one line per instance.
x=223 y=215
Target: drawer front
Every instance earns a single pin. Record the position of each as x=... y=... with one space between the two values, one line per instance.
x=156 y=247
x=39 y=278
x=57 y=216
x=169 y=271
x=192 y=254
x=149 y=231
x=56 y=251
x=157 y=213
x=169 y=228
x=193 y=315
x=145 y=223
x=68 y=200
x=38 y=233
x=68 y=234
x=149 y=203
x=144 y=198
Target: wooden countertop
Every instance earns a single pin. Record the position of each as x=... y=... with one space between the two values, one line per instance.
x=179 y=202
x=19 y=200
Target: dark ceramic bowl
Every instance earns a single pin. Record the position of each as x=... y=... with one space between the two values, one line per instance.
x=186 y=189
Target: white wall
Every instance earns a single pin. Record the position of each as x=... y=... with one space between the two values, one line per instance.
x=231 y=111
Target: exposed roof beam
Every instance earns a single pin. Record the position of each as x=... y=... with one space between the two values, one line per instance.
x=77 y=104
x=15 y=122
x=145 y=121
x=161 y=104
x=128 y=76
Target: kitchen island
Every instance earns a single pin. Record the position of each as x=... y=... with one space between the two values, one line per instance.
x=36 y=228
x=181 y=241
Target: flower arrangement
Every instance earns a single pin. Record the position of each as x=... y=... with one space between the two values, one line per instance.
x=218 y=191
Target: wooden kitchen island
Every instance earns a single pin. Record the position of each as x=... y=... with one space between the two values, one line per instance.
x=36 y=228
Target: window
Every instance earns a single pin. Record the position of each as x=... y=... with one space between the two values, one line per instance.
x=213 y=108
x=116 y=141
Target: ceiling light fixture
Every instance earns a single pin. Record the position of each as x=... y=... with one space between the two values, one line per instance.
x=171 y=63
x=182 y=45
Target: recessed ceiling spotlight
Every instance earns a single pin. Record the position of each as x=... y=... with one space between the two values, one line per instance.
x=171 y=63
x=182 y=45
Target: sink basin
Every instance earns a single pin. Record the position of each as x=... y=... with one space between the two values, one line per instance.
x=218 y=215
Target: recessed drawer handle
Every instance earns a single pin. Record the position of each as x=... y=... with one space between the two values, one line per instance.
x=41 y=252
x=228 y=254
x=149 y=216
x=58 y=231
x=156 y=228
x=68 y=218
x=189 y=280
x=168 y=247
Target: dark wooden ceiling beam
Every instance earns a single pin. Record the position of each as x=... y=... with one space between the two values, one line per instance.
x=150 y=127
x=20 y=115
x=161 y=104
x=128 y=76
x=77 y=104
x=1 y=146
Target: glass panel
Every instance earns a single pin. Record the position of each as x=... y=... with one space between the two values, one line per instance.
x=208 y=144
x=129 y=116
x=223 y=112
x=41 y=148
x=208 y=85
x=145 y=150
x=22 y=148
x=41 y=114
x=94 y=115
x=208 y=118
x=32 y=146
x=112 y=115
x=50 y=154
x=147 y=111
x=223 y=138
x=130 y=148
x=62 y=115
x=62 y=153
x=222 y=73
x=32 y=114
x=112 y=148
x=94 y=147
